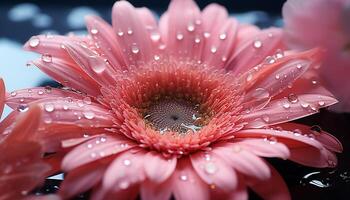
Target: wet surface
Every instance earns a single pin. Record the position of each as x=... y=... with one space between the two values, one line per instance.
x=304 y=183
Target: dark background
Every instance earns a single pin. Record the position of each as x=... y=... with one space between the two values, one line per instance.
x=55 y=16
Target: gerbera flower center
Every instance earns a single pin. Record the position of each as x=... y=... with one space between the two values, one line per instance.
x=172 y=114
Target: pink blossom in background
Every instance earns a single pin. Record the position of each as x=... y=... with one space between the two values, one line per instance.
x=188 y=106
x=323 y=23
x=21 y=166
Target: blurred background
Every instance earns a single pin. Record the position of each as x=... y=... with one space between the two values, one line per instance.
x=19 y=20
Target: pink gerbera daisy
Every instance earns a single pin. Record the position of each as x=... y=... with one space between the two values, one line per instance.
x=184 y=107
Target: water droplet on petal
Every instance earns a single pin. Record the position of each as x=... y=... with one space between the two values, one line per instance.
x=124 y=185
x=257 y=44
x=94 y=31
x=135 y=49
x=46 y=58
x=155 y=36
x=304 y=105
x=190 y=27
x=279 y=54
x=156 y=57
x=179 y=36
x=183 y=177
x=127 y=162
x=89 y=114
x=293 y=98
x=261 y=93
x=197 y=40
x=89 y=146
x=34 y=42
x=120 y=33
x=224 y=58
x=87 y=100
x=206 y=34
x=270 y=60
x=129 y=31
x=210 y=168
x=266 y=118
x=13 y=94
x=23 y=108
x=316 y=129
x=286 y=105
x=277 y=76
x=299 y=66
x=222 y=36
x=49 y=107
x=321 y=103
x=213 y=49
x=249 y=77
x=314 y=82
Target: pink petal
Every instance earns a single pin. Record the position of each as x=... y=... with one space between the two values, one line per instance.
x=313 y=158
x=154 y=191
x=158 y=168
x=97 y=68
x=213 y=15
x=241 y=159
x=245 y=33
x=95 y=149
x=51 y=45
x=126 y=170
x=147 y=17
x=223 y=42
x=69 y=74
x=186 y=184
x=273 y=188
x=327 y=140
x=265 y=149
x=26 y=96
x=247 y=56
x=213 y=169
x=183 y=29
x=284 y=110
x=2 y=96
x=137 y=48
x=81 y=179
x=106 y=40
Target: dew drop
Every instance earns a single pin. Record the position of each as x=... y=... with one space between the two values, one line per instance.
x=23 y=108
x=293 y=98
x=277 y=76
x=304 y=105
x=249 y=77
x=224 y=58
x=314 y=82
x=129 y=31
x=87 y=100
x=49 y=107
x=89 y=115
x=179 y=36
x=213 y=49
x=257 y=44
x=266 y=118
x=127 y=162
x=270 y=60
x=286 y=105
x=46 y=58
x=222 y=36
x=34 y=42
x=206 y=34
x=94 y=31
x=124 y=185
x=135 y=49
x=156 y=57
x=183 y=177
x=190 y=27
x=120 y=33
x=197 y=40
x=279 y=54
x=261 y=93
x=13 y=94
x=210 y=168
x=155 y=36
x=89 y=146
x=316 y=129
x=321 y=103
x=297 y=132
x=299 y=66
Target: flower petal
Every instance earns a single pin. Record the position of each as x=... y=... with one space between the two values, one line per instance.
x=265 y=149
x=214 y=170
x=81 y=179
x=158 y=168
x=184 y=30
x=186 y=184
x=2 y=96
x=97 y=68
x=126 y=170
x=154 y=191
x=107 y=40
x=95 y=149
x=131 y=34
x=273 y=188
x=27 y=96
x=243 y=160
x=250 y=54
